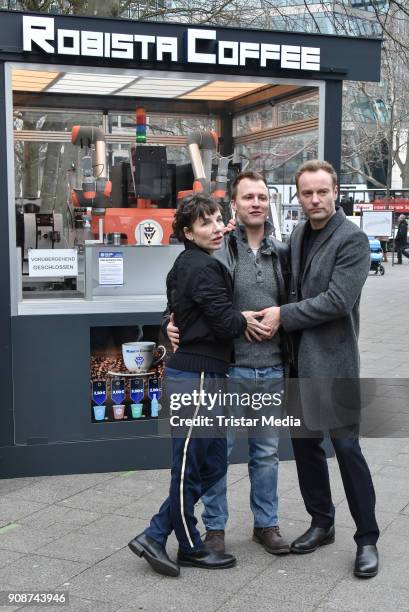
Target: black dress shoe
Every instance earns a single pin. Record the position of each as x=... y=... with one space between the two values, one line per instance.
x=206 y=559
x=155 y=554
x=367 y=561
x=312 y=539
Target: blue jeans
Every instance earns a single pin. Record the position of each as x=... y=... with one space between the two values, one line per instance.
x=263 y=468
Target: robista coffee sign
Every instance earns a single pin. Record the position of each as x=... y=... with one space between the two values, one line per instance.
x=194 y=46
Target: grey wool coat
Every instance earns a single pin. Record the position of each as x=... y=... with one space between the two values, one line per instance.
x=324 y=302
x=324 y=308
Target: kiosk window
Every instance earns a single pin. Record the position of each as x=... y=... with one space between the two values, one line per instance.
x=278 y=158
x=298 y=109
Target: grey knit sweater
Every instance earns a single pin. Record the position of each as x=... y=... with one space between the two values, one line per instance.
x=255 y=288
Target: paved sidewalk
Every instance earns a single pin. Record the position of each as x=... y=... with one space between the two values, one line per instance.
x=70 y=532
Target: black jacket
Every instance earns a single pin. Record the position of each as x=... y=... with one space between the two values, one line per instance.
x=200 y=294
x=402 y=233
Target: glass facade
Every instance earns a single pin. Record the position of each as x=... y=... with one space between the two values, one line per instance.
x=278 y=158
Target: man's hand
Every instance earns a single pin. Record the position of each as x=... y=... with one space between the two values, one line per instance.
x=173 y=332
x=231 y=226
x=271 y=318
x=256 y=330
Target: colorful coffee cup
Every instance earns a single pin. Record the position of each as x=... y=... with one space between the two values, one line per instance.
x=99 y=413
x=119 y=411
x=136 y=410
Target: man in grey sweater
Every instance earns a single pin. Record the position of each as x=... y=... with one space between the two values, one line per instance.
x=258 y=264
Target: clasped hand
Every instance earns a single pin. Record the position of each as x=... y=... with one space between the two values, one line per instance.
x=261 y=325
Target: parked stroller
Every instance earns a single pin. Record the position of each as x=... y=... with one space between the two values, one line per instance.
x=376 y=256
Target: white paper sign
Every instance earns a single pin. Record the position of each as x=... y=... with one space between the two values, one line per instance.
x=377 y=223
x=52 y=262
x=111 y=268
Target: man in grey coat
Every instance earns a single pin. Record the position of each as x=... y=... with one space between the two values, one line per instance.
x=330 y=263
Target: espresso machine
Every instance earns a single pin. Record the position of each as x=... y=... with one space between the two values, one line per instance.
x=35 y=229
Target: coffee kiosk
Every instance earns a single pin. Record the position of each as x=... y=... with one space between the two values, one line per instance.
x=104 y=125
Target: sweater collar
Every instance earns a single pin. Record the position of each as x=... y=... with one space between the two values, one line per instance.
x=266 y=246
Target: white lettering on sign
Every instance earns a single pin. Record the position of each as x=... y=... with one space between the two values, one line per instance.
x=194 y=56
x=52 y=262
x=122 y=46
x=202 y=47
x=69 y=42
x=233 y=48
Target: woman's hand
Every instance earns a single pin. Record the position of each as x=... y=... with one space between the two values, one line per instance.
x=231 y=226
x=255 y=329
x=173 y=332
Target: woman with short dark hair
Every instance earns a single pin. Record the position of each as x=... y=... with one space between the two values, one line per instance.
x=200 y=296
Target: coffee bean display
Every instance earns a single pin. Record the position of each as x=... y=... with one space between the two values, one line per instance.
x=100 y=366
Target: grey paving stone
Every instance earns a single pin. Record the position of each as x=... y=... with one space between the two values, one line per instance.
x=8 y=485
x=129 y=487
x=325 y=560
x=81 y=547
x=59 y=519
x=51 y=489
x=9 y=556
x=150 y=475
x=196 y=589
x=96 y=501
x=396 y=474
x=119 y=579
x=144 y=507
x=121 y=529
x=393 y=545
x=294 y=585
x=399 y=527
x=12 y=509
x=405 y=510
x=37 y=572
x=400 y=460
x=23 y=539
x=359 y=595
x=244 y=603
x=168 y=602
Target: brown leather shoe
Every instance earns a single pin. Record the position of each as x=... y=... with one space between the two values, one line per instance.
x=214 y=540
x=271 y=539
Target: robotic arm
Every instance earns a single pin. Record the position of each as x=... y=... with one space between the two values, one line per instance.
x=96 y=190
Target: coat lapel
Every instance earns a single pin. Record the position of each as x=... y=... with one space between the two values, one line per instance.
x=328 y=230
x=296 y=245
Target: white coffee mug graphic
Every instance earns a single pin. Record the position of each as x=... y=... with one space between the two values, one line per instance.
x=138 y=356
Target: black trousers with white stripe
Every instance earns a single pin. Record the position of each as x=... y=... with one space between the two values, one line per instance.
x=198 y=462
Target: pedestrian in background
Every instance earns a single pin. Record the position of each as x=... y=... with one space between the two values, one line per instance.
x=401 y=239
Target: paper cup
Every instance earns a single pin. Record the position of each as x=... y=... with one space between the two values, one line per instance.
x=99 y=413
x=136 y=410
x=119 y=412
